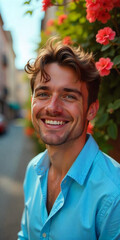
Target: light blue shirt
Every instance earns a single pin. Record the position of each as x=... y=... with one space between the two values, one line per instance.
x=88 y=206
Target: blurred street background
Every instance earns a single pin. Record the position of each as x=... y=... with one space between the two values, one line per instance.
x=16 y=150
x=19 y=38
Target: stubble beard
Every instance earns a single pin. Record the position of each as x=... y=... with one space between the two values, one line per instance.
x=60 y=140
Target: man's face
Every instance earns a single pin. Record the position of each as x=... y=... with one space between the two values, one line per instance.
x=59 y=106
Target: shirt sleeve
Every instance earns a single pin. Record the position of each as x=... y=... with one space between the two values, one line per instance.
x=23 y=234
x=110 y=221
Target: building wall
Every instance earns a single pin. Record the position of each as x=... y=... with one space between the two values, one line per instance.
x=3 y=60
x=23 y=87
x=8 y=92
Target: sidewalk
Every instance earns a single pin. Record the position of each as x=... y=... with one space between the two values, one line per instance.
x=16 y=151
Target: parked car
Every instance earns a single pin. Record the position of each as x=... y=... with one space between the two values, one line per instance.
x=3 y=123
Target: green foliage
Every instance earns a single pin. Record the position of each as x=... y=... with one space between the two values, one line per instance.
x=27 y=2
x=116 y=60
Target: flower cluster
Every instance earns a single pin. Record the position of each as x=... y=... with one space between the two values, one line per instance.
x=100 y=9
x=104 y=65
x=62 y=18
x=46 y=4
x=29 y=131
x=105 y=35
x=50 y=22
x=90 y=128
x=67 y=40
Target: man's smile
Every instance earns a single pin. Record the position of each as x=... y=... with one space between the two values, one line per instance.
x=54 y=122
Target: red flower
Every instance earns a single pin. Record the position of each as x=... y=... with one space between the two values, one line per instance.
x=116 y=3
x=50 y=22
x=46 y=4
x=29 y=131
x=98 y=9
x=107 y=5
x=93 y=5
x=104 y=65
x=90 y=128
x=103 y=16
x=67 y=40
x=104 y=35
x=61 y=18
x=91 y=15
x=47 y=32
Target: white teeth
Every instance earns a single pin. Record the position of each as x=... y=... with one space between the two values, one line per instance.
x=51 y=122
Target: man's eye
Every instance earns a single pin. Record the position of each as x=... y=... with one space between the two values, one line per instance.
x=70 y=97
x=42 y=95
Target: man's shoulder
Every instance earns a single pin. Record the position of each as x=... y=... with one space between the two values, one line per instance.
x=109 y=168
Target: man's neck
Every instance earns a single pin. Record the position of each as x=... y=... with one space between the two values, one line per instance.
x=61 y=159
x=63 y=156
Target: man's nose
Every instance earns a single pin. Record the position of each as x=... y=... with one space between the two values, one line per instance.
x=54 y=106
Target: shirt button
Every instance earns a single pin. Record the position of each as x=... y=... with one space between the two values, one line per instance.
x=44 y=235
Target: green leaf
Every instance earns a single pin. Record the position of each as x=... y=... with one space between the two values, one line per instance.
x=29 y=12
x=105 y=47
x=102 y=120
x=116 y=60
x=27 y=2
x=74 y=17
x=115 y=39
x=112 y=130
x=110 y=106
x=116 y=104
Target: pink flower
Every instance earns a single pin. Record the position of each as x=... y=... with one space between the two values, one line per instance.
x=104 y=65
x=67 y=40
x=106 y=5
x=61 y=18
x=90 y=128
x=103 y=16
x=91 y=15
x=93 y=5
x=50 y=22
x=99 y=10
x=46 y=4
x=104 y=35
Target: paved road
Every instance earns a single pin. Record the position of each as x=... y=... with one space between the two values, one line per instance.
x=16 y=150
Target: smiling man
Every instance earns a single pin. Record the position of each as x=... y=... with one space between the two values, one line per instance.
x=72 y=190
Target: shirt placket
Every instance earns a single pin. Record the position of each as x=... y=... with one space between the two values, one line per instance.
x=56 y=207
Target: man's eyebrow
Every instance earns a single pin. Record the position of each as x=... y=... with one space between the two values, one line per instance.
x=69 y=90
x=74 y=90
x=41 y=88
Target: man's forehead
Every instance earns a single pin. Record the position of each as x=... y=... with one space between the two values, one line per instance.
x=59 y=80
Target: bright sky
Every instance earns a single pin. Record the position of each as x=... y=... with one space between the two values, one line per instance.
x=25 y=29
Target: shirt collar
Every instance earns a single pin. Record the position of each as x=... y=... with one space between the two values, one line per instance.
x=80 y=168
x=42 y=163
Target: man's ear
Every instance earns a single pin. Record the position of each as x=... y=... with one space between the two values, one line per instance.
x=92 y=111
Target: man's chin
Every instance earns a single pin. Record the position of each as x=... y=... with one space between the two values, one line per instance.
x=53 y=142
